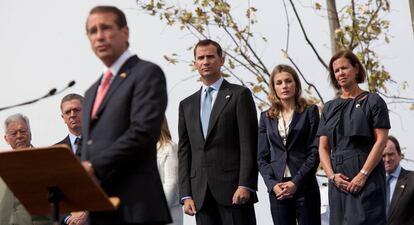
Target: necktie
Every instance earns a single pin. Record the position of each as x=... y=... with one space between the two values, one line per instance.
x=78 y=142
x=103 y=88
x=206 y=110
x=388 y=191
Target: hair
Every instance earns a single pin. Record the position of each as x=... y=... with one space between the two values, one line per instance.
x=70 y=97
x=165 y=135
x=120 y=18
x=14 y=118
x=396 y=143
x=353 y=60
x=276 y=105
x=207 y=42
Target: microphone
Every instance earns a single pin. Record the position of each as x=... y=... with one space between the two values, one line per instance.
x=50 y=93
x=70 y=84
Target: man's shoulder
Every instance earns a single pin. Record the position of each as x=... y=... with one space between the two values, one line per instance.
x=138 y=63
x=64 y=140
x=406 y=174
x=190 y=99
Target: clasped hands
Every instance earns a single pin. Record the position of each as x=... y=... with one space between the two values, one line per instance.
x=350 y=186
x=284 y=190
x=240 y=196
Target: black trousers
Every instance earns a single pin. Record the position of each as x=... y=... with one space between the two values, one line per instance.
x=212 y=213
x=303 y=209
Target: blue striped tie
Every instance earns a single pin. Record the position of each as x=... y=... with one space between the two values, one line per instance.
x=206 y=110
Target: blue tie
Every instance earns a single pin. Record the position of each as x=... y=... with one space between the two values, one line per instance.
x=388 y=191
x=206 y=110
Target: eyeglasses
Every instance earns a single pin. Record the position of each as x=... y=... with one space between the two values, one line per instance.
x=13 y=133
x=74 y=110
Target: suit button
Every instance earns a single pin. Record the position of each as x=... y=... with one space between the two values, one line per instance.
x=89 y=142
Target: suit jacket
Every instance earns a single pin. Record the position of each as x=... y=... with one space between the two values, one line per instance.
x=65 y=141
x=224 y=160
x=121 y=142
x=12 y=212
x=400 y=211
x=300 y=153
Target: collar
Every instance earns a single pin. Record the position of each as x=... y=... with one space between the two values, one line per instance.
x=216 y=85
x=396 y=172
x=119 y=62
x=72 y=138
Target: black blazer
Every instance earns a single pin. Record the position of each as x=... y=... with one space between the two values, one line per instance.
x=300 y=152
x=226 y=159
x=65 y=141
x=400 y=211
x=121 y=143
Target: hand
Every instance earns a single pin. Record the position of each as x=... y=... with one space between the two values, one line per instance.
x=284 y=190
x=88 y=167
x=241 y=196
x=277 y=189
x=341 y=181
x=78 y=218
x=357 y=183
x=289 y=188
x=189 y=207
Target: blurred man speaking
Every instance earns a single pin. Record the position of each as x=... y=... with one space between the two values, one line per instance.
x=121 y=122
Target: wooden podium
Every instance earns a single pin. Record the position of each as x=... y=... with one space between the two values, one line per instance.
x=52 y=179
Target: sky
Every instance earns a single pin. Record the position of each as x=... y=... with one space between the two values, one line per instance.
x=43 y=45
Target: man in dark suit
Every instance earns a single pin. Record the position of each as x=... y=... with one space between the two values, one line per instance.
x=71 y=108
x=217 y=146
x=399 y=186
x=121 y=121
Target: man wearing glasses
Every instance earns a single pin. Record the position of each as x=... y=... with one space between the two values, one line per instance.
x=71 y=107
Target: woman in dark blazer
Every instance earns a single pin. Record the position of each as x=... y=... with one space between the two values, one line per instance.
x=288 y=151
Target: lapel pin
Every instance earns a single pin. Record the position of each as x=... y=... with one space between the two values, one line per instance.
x=227 y=96
x=123 y=75
x=357 y=105
x=402 y=186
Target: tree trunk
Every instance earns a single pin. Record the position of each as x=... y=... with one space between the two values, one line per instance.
x=333 y=24
x=411 y=2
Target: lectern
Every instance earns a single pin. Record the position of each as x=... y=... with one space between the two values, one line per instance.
x=52 y=179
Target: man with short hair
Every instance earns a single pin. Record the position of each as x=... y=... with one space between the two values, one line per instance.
x=71 y=108
x=18 y=136
x=217 y=146
x=12 y=212
x=399 y=186
x=121 y=122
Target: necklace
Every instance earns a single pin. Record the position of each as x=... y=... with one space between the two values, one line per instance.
x=285 y=121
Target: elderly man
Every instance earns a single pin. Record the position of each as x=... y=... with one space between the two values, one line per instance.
x=12 y=212
x=399 y=186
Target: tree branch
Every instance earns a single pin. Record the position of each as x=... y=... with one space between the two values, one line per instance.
x=303 y=77
x=306 y=36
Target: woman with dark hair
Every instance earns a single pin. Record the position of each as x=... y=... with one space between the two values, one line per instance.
x=167 y=161
x=353 y=132
x=288 y=151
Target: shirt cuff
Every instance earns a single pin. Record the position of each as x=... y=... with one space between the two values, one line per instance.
x=252 y=190
x=184 y=198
